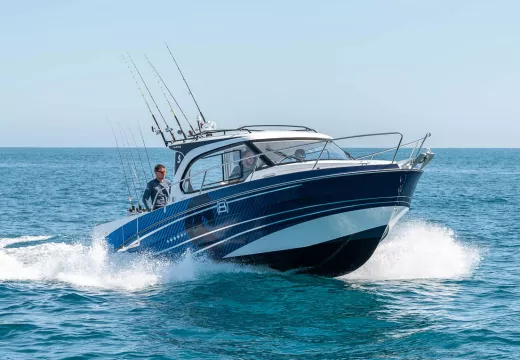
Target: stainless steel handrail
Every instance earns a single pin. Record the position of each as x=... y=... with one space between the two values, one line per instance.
x=366 y=135
x=397 y=147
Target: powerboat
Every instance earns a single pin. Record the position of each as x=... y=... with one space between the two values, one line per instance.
x=287 y=197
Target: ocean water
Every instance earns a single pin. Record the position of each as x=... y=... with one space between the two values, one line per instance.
x=444 y=284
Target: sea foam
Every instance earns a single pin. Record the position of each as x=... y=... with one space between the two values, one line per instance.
x=95 y=266
x=413 y=250
x=419 y=250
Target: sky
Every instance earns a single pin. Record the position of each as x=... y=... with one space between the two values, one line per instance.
x=342 y=67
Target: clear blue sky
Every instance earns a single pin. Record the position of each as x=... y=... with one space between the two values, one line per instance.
x=343 y=67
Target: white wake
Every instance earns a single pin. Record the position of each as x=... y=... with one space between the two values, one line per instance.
x=413 y=250
x=419 y=250
x=94 y=266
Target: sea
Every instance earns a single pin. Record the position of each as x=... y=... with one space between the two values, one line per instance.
x=444 y=284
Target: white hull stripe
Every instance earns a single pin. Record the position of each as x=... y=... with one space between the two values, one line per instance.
x=275 y=214
x=263 y=193
x=280 y=221
x=321 y=230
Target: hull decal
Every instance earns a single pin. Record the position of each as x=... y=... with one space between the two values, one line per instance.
x=283 y=220
x=263 y=193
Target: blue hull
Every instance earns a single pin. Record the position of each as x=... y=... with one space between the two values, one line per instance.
x=220 y=223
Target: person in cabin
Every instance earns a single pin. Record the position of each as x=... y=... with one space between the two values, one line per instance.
x=242 y=171
x=158 y=190
x=299 y=154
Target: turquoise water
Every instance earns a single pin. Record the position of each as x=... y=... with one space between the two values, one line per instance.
x=445 y=283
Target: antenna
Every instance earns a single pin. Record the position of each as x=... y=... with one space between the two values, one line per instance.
x=122 y=166
x=159 y=80
x=173 y=97
x=159 y=131
x=149 y=93
x=189 y=90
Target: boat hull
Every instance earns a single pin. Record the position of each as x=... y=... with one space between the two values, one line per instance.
x=327 y=222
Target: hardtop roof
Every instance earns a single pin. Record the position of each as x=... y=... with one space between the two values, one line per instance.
x=185 y=146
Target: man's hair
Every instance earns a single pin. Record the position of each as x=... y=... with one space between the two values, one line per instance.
x=159 y=167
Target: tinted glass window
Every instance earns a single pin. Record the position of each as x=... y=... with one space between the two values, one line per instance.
x=220 y=168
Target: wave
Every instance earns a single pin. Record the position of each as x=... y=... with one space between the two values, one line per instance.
x=22 y=239
x=95 y=266
x=419 y=250
x=413 y=250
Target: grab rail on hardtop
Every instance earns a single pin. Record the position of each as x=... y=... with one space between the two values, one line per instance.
x=209 y=133
x=300 y=127
x=397 y=148
x=246 y=128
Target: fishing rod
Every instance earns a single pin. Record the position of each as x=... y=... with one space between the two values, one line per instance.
x=134 y=169
x=161 y=82
x=145 y=149
x=173 y=97
x=189 y=90
x=138 y=153
x=168 y=129
x=159 y=131
x=123 y=167
x=181 y=131
x=133 y=182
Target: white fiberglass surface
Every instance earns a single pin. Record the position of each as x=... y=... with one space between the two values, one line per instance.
x=306 y=166
x=323 y=229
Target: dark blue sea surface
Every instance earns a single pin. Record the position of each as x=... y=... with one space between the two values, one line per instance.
x=444 y=284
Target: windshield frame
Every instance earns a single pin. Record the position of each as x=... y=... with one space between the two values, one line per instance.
x=319 y=143
x=262 y=155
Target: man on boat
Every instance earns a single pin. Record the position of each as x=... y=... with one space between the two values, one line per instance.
x=157 y=190
x=299 y=154
x=242 y=171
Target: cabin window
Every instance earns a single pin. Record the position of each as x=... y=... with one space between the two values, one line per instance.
x=220 y=168
x=291 y=151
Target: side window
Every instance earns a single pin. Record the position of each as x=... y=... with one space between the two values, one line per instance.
x=221 y=168
x=202 y=173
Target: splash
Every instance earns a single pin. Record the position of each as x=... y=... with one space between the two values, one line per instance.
x=9 y=241
x=94 y=266
x=419 y=250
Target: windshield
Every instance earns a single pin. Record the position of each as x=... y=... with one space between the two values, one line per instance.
x=290 y=151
